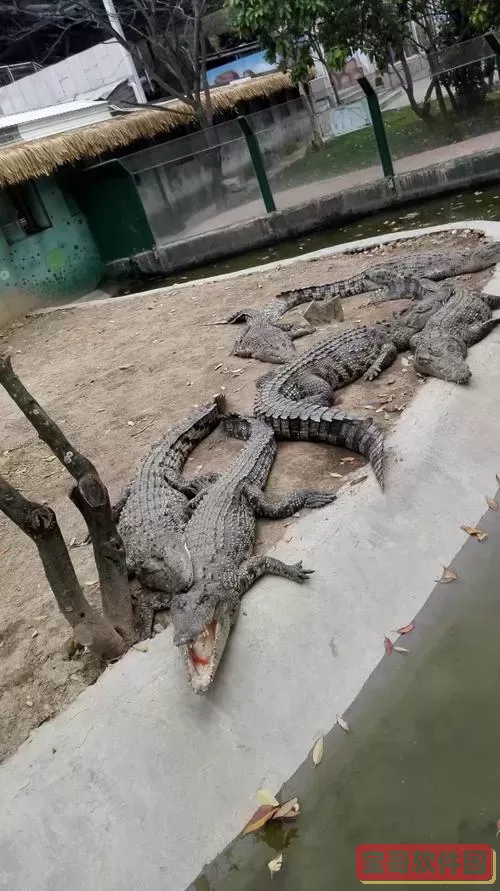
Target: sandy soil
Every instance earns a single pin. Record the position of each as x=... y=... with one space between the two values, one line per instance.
x=115 y=376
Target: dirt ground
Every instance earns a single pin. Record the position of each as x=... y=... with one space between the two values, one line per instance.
x=115 y=376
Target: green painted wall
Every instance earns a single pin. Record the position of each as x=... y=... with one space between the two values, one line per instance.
x=62 y=260
x=114 y=211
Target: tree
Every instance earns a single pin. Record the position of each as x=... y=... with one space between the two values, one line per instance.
x=107 y=634
x=290 y=35
x=165 y=37
x=384 y=29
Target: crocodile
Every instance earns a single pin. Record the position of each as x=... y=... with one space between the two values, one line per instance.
x=154 y=509
x=266 y=337
x=441 y=347
x=434 y=265
x=296 y=400
x=220 y=537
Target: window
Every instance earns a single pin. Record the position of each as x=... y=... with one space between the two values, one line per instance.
x=22 y=212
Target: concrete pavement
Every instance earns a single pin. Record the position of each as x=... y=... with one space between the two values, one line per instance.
x=139 y=782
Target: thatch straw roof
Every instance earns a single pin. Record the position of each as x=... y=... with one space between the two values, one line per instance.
x=41 y=157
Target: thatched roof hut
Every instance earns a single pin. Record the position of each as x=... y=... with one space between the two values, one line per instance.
x=23 y=161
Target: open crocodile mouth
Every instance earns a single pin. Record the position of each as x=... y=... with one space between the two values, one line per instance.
x=202 y=656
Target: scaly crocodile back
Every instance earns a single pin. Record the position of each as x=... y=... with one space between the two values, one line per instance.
x=282 y=403
x=149 y=488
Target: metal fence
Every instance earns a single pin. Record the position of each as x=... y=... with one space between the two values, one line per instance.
x=11 y=73
x=282 y=157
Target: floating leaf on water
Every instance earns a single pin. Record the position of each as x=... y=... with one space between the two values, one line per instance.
x=494 y=505
x=400 y=650
x=287 y=811
x=475 y=532
x=388 y=645
x=264 y=796
x=343 y=723
x=259 y=819
x=317 y=752
x=406 y=629
x=449 y=575
x=275 y=865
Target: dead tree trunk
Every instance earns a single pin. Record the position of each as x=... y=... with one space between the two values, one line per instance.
x=40 y=523
x=91 y=497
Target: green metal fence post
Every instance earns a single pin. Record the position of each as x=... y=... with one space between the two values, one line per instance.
x=378 y=126
x=492 y=40
x=258 y=163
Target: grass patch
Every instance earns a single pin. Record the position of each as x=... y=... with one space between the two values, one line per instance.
x=407 y=135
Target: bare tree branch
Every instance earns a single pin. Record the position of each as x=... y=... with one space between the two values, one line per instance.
x=40 y=523
x=92 y=499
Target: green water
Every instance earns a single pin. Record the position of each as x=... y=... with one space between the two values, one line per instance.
x=421 y=762
x=478 y=204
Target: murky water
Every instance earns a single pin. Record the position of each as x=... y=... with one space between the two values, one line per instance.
x=477 y=204
x=421 y=762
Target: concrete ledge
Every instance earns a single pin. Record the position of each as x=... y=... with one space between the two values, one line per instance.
x=139 y=782
x=332 y=210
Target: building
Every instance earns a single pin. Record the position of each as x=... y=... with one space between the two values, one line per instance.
x=81 y=187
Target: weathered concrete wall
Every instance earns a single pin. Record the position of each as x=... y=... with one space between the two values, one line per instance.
x=332 y=210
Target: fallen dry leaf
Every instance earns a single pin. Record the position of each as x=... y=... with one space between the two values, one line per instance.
x=347 y=460
x=287 y=811
x=405 y=362
x=475 y=532
x=51 y=458
x=343 y=723
x=317 y=752
x=259 y=819
x=360 y=479
x=140 y=647
x=388 y=645
x=264 y=796
x=34 y=633
x=29 y=702
x=449 y=575
x=406 y=629
x=336 y=476
x=492 y=503
x=400 y=650
x=275 y=865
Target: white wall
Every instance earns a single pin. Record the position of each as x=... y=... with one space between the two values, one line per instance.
x=102 y=65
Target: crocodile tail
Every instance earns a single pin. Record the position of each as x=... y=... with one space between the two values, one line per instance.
x=239 y=427
x=305 y=421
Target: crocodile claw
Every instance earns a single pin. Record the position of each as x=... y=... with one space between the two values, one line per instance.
x=298 y=574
